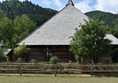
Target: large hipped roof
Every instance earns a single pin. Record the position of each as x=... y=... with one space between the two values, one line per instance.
x=59 y=29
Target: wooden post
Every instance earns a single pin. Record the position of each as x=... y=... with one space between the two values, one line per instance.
x=92 y=69
x=21 y=68
x=55 y=70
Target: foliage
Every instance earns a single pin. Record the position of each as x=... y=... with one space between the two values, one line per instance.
x=23 y=25
x=3 y=57
x=19 y=18
x=13 y=31
x=107 y=17
x=22 y=52
x=114 y=30
x=2 y=14
x=33 y=61
x=19 y=60
x=79 y=59
x=14 y=8
x=54 y=59
x=6 y=30
x=89 y=41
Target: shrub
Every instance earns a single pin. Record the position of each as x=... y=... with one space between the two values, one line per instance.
x=33 y=61
x=19 y=60
x=54 y=59
x=22 y=52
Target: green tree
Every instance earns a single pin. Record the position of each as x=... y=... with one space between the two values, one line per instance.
x=23 y=26
x=6 y=31
x=89 y=41
x=54 y=60
x=2 y=14
x=13 y=8
x=114 y=30
x=22 y=52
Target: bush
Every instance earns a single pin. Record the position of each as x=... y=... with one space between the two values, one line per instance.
x=54 y=59
x=22 y=52
x=19 y=60
x=33 y=61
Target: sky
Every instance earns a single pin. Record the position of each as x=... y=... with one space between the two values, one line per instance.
x=82 y=5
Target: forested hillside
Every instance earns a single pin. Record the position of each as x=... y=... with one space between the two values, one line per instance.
x=107 y=17
x=13 y=8
x=110 y=19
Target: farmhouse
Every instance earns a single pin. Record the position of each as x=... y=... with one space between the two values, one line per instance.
x=54 y=36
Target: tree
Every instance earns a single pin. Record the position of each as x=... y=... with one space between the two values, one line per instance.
x=114 y=30
x=23 y=25
x=13 y=8
x=14 y=31
x=2 y=14
x=89 y=41
x=22 y=52
x=6 y=31
x=54 y=60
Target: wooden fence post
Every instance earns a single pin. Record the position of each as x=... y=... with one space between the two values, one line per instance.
x=21 y=68
x=55 y=70
x=92 y=69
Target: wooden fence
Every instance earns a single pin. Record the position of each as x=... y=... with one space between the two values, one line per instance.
x=61 y=68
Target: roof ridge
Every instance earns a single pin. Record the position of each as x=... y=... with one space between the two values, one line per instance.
x=70 y=2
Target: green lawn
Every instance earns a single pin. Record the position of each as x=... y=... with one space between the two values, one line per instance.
x=59 y=79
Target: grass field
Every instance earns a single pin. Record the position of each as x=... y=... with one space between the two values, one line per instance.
x=52 y=79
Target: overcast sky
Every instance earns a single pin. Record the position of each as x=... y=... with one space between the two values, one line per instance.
x=82 y=5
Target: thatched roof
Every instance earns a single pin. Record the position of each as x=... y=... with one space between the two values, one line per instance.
x=59 y=29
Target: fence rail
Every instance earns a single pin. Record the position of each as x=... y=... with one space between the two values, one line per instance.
x=45 y=68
